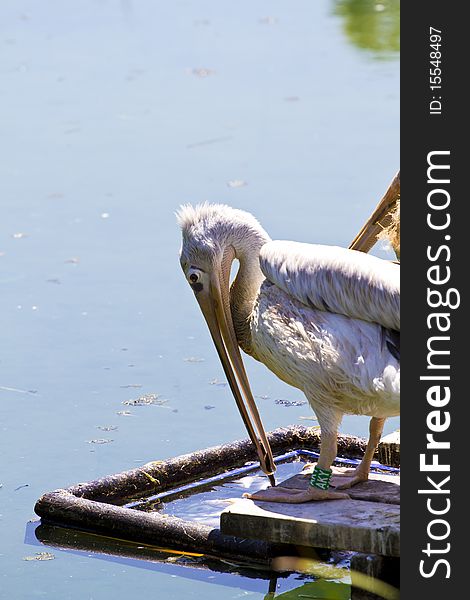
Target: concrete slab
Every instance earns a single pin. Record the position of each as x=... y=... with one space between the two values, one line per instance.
x=379 y=488
x=388 y=451
x=358 y=525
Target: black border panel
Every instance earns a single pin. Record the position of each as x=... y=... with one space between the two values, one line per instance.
x=434 y=273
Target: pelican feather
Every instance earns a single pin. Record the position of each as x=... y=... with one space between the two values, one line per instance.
x=324 y=319
x=337 y=280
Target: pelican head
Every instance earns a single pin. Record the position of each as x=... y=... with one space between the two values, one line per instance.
x=214 y=235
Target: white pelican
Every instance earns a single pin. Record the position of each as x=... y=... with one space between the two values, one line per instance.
x=322 y=318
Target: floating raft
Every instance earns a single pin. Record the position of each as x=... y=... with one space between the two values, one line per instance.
x=115 y=505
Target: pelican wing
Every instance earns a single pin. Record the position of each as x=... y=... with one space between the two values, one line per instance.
x=341 y=281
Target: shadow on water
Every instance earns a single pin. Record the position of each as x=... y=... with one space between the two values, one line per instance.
x=204 y=506
x=116 y=113
x=184 y=564
x=190 y=566
x=371 y=25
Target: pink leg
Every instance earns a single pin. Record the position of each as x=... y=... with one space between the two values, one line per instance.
x=361 y=473
x=296 y=496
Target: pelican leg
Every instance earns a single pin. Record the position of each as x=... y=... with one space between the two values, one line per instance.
x=361 y=472
x=298 y=496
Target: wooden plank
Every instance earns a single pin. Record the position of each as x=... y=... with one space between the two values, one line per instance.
x=359 y=524
x=379 y=219
x=63 y=508
x=161 y=475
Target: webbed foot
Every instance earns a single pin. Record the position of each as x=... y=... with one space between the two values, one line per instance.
x=295 y=496
x=354 y=476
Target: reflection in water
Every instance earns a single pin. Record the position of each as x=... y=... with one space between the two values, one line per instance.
x=195 y=567
x=326 y=590
x=205 y=506
x=371 y=24
x=107 y=132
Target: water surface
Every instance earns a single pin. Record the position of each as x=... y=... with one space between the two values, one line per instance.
x=113 y=114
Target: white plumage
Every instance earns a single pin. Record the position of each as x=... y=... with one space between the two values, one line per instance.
x=335 y=279
x=341 y=364
x=324 y=319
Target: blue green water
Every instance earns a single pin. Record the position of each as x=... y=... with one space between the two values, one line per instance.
x=113 y=113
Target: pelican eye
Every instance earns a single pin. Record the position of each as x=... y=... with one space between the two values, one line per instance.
x=195 y=280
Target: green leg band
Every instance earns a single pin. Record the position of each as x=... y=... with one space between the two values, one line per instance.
x=321 y=478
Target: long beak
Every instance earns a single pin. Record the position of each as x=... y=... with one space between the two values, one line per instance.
x=378 y=220
x=215 y=307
